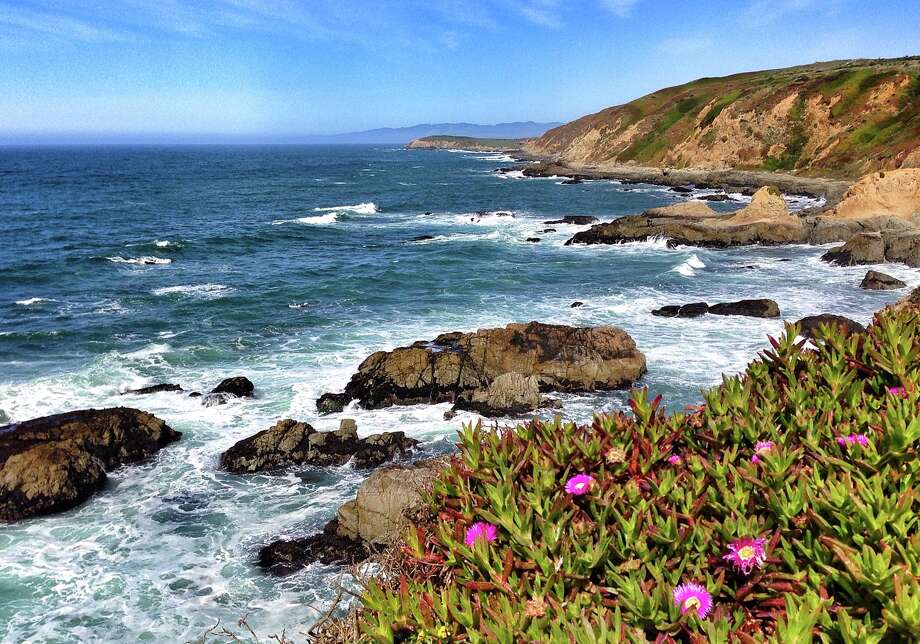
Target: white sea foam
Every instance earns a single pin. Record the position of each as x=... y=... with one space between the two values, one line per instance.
x=166 y=243
x=144 y=261
x=368 y=208
x=32 y=301
x=321 y=220
x=684 y=269
x=206 y=291
x=695 y=262
x=488 y=218
x=513 y=174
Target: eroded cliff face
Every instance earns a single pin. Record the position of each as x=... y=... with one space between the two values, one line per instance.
x=841 y=119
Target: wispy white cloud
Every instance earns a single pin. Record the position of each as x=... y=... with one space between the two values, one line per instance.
x=621 y=8
x=544 y=13
x=58 y=25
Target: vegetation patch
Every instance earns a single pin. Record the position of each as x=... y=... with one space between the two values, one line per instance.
x=717 y=108
x=784 y=509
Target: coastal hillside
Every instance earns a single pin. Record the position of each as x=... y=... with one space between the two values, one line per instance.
x=841 y=119
x=447 y=142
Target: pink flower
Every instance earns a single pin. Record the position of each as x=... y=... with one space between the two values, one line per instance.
x=693 y=597
x=901 y=392
x=674 y=459
x=762 y=447
x=579 y=484
x=746 y=554
x=853 y=439
x=481 y=531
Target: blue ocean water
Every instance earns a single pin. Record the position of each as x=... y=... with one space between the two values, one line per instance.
x=125 y=266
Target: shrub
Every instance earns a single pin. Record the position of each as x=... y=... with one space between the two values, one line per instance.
x=789 y=497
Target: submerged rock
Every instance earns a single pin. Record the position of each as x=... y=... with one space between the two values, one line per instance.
x=289 y=442
x=808 y=326
x=332 y=403
x=54 y=463
x=533 y=240
x=575 y=220
x=576 y=304
x=562 y=358
x=152 y=389
x=876 y=281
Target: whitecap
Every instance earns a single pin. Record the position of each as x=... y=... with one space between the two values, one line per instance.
x=144 y=261
x=321 y=220
x=695 y=262
x=685 y=269
x=299 y=305
x=368 y=208
x=207 y=291
x=32 y=301
x=514 y=174
x=165 y=243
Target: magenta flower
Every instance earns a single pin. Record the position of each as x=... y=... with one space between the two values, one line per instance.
x=693 y=597
x=579 y=484
x=481 y=531
x=674 y=459
x=746 y=554
x=762 y=447
x=853 y=439
x=901 y=392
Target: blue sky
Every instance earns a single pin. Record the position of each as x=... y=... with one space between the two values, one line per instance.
x=277 y=68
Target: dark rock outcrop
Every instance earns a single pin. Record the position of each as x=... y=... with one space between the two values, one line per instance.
x=576 y=304
x=694 y=310
x=876 y=281
x=750 y=308
x=332 y=403
x=533 y=240
x=863 y=248
x=575 y=220
x=562 y=358
x=54 y=463
x=239 y=386
x=152 y=389
x=290 y=442
x=284 y=557
x=808 y=326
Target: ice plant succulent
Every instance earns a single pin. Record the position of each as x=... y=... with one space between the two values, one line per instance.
x=693 y=597
x=746 y=554
x=901 y=392
x=481 y=531
x=579 y=484
x=853 y=439
x=674 y=459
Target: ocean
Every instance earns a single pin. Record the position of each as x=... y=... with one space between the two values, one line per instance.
x=126 y=266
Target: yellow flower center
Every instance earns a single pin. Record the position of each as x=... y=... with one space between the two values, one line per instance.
x=691 y=603
x=747 y=552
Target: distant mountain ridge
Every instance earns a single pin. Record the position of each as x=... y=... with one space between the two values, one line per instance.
x=404 y=135
x=836 y=119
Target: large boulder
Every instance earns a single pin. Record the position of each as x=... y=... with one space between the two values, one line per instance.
x=766 y=220
x=54 y=463
x=694 y=310
x=910 y=302
x=876 y=281
x=377 y=515
x=808 y=326
x=511 y=394
x=152 y=389
x=289 y=442
x=562 y=358
x=863 y=248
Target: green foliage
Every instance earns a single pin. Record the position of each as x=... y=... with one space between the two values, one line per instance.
x=840 y=521
x=718 y=106
x=654 y=142
x=797 y=140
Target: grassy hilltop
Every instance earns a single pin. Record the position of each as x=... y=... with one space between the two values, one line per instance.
x=842 y=118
